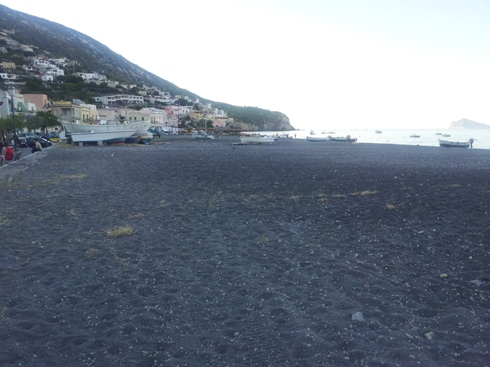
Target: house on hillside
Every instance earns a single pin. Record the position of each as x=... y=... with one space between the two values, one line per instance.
x=40 y=101
x=119 y=99
x=8 y=65
x=25 y=48
x=9 y=78
x=92 y=77
x=46 y=77
x=67 y=111
x=61 y=62
x=5 y=107
x=6 y=103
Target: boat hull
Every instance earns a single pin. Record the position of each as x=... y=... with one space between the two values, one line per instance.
x=144 y=138
x=101 y=136
x=343 y=139
x=202 y=136
x=315 y=139
x=256 y=139
x=140 y=127
x=454 y=144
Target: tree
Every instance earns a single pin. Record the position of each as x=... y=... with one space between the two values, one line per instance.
x=45 y=119
x=181 y=102
x=33 y=85
x=73 y=79
x=7 y=126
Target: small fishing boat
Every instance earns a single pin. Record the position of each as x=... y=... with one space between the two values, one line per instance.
x=256 y=139
x=347 y=139
x=446 y=135
x=378 y=132
x=456 y=144
x=144 y=138
x=202 y=135
x=317 y=138
x=415 y=136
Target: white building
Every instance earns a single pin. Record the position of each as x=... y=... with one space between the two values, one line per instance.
x=118 y=99
x=6 y=77
x=92 y=76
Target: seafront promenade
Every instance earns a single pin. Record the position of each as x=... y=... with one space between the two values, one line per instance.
x=204 y=253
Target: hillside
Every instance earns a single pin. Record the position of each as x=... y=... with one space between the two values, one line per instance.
x=56 y=41
x=468 y=124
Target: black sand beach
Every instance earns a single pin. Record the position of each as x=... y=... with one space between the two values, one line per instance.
x=292 y=254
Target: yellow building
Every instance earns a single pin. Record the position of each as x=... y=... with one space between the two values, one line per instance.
x=75 y=111
x=67 y=111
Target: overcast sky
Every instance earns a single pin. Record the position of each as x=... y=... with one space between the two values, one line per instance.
x=372 y=64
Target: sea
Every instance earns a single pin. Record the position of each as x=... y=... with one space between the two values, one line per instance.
x=427 y=137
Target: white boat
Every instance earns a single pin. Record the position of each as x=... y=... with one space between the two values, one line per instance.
x=202 y=135
x=317 y=138
x=101 y=136
x=455 y=144
x=256 y=139
x=347 y=138
x=140 y=127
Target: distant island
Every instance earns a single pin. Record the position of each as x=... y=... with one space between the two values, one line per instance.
x=468 y=124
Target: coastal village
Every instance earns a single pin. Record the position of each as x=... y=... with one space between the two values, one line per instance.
x=169 y=116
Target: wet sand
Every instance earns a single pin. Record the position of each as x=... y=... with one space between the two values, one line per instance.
x=291 y=254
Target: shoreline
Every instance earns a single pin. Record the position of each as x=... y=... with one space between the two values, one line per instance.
x=284 y=254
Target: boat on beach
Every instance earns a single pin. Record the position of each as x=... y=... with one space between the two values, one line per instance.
x=256 y=139
x=145 y=138
x=140 y=127
x=347 y=139
x=455 y=144
x=202 y=135
x=317 y=138
x=102 y=136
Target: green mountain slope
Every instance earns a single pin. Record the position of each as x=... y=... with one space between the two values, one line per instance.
x=59 y=41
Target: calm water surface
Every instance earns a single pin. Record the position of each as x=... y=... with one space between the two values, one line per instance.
x=428 y=137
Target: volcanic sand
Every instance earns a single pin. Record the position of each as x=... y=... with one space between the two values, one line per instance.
x=205 y=253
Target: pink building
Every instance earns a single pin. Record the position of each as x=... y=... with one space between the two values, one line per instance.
x=40 y=100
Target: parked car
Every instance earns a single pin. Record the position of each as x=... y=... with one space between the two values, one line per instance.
x=50 y=136
x=44 y=143
x=21 y=140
